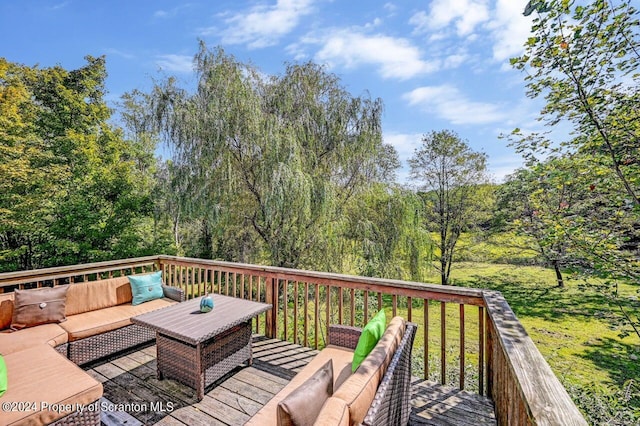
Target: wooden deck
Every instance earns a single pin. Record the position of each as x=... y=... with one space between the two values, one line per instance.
x=133 y=395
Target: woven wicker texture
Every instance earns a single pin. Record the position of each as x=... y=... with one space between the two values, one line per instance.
x=344 y=335
x=63 y=349
x=173 y=293
x=199 y=348
x=99 y=346
x=391 y=405
x=201 y=365
x=84 y=418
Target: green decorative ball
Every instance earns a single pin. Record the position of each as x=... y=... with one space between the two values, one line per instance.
x=206 y=304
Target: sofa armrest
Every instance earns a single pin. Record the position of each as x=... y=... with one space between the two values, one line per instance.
x=344 y=335
x=174 y=293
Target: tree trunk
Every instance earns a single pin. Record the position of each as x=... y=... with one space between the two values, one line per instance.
x=559 y=278
x=444 y=278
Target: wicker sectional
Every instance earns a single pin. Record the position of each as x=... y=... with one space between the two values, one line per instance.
x=378 y=393
x=42 y=360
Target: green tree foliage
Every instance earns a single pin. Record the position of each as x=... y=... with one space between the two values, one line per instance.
x=73 y=189
x=30 y=173
x=268 y=164
x=583 y=59
x=386 y=234
x=448 y=172
x=541 y=202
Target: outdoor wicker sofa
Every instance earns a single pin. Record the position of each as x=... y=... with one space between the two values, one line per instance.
x=377 y=393
x=45 y=384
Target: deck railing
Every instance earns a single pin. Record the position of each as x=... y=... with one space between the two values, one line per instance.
x=468 y=338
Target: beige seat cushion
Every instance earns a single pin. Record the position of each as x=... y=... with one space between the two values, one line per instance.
x=360 y=388
x=89 y=324
x=341 y=358
x=42 y=376
x=46 y=334
x=94 y=295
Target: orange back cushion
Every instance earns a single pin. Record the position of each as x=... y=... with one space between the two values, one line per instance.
x=94 y=295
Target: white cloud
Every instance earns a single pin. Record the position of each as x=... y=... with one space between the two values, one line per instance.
x=404 y=143
x=450 y=104
x=60 y=5
x=175 y=63
x=117 y=52
x=263 y=25
x=394 y=57
x=163 y=14
x=466 y=15
x=510 y=29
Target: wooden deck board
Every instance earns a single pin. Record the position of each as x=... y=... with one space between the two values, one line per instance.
x=131 y=379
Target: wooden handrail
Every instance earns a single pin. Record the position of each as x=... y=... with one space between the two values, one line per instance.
x=64 y=272
x=511 y=370
x=524 y=389
x=449 y=294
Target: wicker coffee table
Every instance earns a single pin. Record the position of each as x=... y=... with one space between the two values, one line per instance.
x=197 y=349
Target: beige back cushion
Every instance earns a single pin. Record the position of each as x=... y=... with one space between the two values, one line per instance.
x=93 y=295
x=360 y=388
x=6 y=310
x=334 y=413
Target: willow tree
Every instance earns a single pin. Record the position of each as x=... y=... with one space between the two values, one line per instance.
x=448 y=172
x=280 y=155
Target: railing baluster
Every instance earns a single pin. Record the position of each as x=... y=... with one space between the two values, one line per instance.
x=462 y=332
x=295 y=312
x=306 y=314
x=353 y=307
x=196 y=288
x=379 y=301
x=489 y=351
x=339 y=305
x=328 y=314
x=426 y=338
x=285 y=305
x=235 y=285
x=394 y=299
x=317 y=315
x=366 y=307
x=481 y=350
x=409 y=309
x=443 y=343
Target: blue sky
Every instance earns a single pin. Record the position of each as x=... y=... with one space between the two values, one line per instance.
x=438 y=64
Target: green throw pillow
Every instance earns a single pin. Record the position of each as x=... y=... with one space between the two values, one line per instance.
x=3 y=376
x=371 y=333
x=146 y=287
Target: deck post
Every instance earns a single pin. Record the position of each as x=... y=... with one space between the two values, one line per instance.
x=271 y=296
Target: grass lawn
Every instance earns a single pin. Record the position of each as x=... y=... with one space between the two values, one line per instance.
x=571 y=326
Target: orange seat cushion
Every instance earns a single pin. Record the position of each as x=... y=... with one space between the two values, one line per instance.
x=46 y=334
x=89 y=324
x=39 y=377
